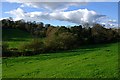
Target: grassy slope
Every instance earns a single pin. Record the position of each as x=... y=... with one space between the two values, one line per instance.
x=15 y=37
x=86 y=62
x=0 y=68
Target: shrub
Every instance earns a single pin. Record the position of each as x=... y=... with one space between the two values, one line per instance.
x=5 y=47
x=23 y=47
x=5 y=50
x=62 y=41
x=51 y=43
x=67 y=40
x=35 y=46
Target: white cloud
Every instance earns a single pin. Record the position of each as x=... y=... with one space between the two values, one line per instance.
x=18 y=1
x=48 y=6
x=52 y=6
x=4 y=18
x=109 y=23
x=112 y=21
x=57 y=10
x=80 y=16
x=18 y=13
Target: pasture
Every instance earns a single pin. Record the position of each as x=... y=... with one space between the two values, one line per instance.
x=15 y=37
x=92 y=61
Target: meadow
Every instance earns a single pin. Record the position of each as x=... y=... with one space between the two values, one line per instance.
x=93 y=61
x=88 y=61
x=15 y=37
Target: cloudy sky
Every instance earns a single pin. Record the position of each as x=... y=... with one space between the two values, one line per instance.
x=62 y=13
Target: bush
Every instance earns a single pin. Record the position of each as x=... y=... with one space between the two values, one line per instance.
x=23 y=47
x=51 y=43
x=5 y=50
x=67 y=40
x=62 y=41
x=5 y=47
x=35 y=46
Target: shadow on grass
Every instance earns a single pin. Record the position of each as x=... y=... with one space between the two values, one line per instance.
x=46 y=56
x=15 y=39
x=15 y=35
x=79 y=51
x=82 y=50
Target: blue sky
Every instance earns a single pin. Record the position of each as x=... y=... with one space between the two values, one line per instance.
x=109 y=9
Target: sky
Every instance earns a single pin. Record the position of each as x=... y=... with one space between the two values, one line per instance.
x=62 y=13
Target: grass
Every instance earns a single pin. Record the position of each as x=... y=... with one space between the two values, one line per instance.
x=93 y=61
x=16 y=37
x=0 y=67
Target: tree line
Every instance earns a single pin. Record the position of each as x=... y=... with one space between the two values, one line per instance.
x=58 y=38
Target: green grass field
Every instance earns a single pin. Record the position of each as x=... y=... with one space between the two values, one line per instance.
x=15 y=37
x=93 y=61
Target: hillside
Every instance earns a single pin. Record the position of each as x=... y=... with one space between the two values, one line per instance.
x=15 y=37
x=93 y=61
